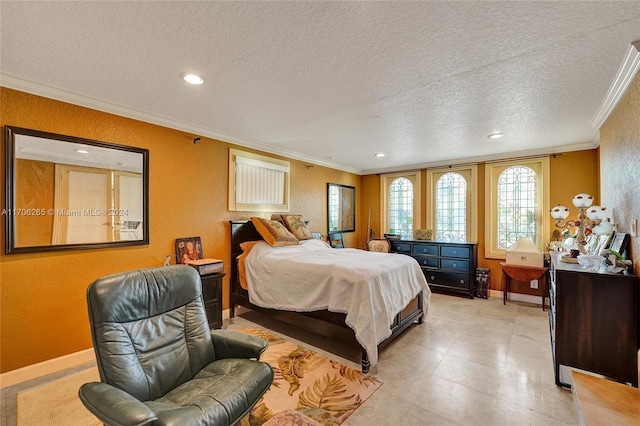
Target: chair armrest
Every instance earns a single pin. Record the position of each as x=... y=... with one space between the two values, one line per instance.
x=233 y=344
x=113 y=406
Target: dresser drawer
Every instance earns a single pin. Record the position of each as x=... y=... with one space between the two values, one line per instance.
x=427 y=261
x=427 y=249
x=455 y=251
x=401 y=247
x=448 y=279
x=455 y=264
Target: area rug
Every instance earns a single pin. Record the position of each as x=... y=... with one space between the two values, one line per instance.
x=321 y=389
x=308 y=390
x=57 y=402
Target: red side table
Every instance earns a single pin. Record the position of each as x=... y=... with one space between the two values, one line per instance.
x=524 y=274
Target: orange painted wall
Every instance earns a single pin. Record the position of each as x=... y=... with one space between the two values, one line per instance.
x=571 y=173
x=371 y=206
x=42 y=296
x=37 y=194
x=620 y=165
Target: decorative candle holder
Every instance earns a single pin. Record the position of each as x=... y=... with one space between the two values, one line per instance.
x=590 y=219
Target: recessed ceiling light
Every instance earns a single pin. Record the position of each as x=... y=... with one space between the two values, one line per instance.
x=495 y=135
x=82 y=151
x=192 y=78
x=380 y=155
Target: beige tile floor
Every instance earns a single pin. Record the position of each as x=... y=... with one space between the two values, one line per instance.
x=472 y=362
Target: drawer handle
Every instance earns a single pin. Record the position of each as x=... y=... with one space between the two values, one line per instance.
x=461 y=281
x=432 y=278
x=454 y=265
x=454 y=252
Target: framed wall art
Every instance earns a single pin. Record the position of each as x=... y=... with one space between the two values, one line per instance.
x=188 y=249
x=619 y=242
x=341 y=208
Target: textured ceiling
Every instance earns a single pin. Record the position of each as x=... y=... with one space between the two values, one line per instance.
x=334 y=82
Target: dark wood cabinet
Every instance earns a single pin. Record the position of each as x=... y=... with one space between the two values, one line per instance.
x=447 y=266
x=593 y=321
x=212 y=294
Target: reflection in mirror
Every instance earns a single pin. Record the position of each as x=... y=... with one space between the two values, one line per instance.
x=341 y=207
x=65 y=192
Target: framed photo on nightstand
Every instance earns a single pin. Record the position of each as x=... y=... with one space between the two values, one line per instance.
x=619 y=242
x=601 y=244
x=188 y=249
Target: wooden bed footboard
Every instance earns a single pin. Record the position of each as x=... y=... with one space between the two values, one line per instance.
x=315 y=321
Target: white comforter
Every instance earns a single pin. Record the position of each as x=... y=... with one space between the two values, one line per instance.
x=371 y=288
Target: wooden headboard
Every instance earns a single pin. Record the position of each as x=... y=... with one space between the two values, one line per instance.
x=241 y=231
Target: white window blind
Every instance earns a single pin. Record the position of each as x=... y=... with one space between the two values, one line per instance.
x=257 y=183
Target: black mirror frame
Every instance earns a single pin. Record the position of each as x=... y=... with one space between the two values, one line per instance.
x=10 y=193
x=353 y=207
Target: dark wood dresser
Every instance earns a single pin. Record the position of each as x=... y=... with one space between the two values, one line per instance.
x=212 y=294
x=447 y=266
x=593 y=321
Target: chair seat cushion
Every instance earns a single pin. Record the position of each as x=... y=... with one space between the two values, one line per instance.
x=220 y=394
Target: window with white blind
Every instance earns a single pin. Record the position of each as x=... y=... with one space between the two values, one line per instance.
x=257 y=182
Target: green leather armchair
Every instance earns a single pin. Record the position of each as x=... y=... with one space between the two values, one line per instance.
x=159 y=362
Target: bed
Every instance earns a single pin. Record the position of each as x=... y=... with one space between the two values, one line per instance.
x=375 y=302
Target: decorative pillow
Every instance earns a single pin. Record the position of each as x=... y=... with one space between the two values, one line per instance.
x=423 y=234
x=242 y=270
x=296 y=226
x=273 y=232
x=378 y=245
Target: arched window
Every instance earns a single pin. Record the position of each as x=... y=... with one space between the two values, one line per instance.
x=451 y=208
x=517 y=206
x=400 y=207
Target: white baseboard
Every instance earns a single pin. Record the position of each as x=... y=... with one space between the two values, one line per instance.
x=517 y=297
x=55 y=365
x=44 y=368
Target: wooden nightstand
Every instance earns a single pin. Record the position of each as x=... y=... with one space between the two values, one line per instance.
x=212 y=294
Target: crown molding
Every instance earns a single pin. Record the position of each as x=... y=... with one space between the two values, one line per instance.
x=16 y=83
x=625 y=76
x=503 y=156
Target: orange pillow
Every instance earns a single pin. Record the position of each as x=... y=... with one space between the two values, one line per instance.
x=296 y=226
x=242 y=270
x=273 y=232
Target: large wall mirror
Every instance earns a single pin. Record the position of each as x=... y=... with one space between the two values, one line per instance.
x=341 y=207
x=64 y=192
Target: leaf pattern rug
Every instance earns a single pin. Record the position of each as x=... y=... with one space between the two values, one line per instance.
x=308 y=388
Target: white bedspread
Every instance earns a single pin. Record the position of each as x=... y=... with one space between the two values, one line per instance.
x=371 y=288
